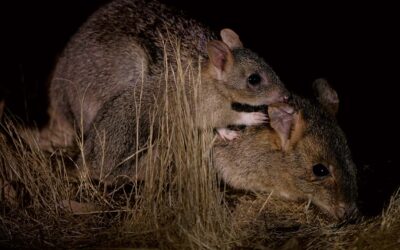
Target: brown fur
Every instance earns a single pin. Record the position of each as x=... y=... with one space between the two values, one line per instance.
x=261 y=161
x=112 y=76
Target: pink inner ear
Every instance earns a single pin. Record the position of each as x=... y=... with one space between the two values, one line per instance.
x=282 y=119
x=218 y=53
x=231 y=39
x=219 y=60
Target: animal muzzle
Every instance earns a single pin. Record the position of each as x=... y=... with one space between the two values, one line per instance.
x=345 y=211
x=285 y=96
x=278 y=96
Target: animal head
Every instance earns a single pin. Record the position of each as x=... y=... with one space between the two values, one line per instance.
x=303 y=155
x=241 y=74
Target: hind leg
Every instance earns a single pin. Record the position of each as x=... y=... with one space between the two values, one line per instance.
x=114 y=136
x=59 y=130
x=58 y=133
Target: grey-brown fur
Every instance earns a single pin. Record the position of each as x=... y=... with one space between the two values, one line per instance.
x=116 y=60
x=261 y=161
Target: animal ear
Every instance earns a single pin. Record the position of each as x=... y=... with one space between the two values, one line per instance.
x=287 y=123
x=231 y=39
x=326 y=96
x=221 y=58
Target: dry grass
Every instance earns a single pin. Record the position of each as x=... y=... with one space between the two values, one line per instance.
x=180 y=205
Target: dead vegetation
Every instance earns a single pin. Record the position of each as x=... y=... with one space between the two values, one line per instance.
x=49 y=202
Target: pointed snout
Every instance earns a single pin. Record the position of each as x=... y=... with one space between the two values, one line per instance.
x=286 y=96
x=283 y=95
x=345 y=211
x=279 y=96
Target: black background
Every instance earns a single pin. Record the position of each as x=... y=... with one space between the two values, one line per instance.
x=354 y=46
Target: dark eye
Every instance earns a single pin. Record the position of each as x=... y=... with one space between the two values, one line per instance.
x=254 y=79
x=320 y=170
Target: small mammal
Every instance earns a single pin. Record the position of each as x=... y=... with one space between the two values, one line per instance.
x=117 y=59
x=303 y=155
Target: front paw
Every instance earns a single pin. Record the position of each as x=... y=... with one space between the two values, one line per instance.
x=253 y=118
x=227 y=134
